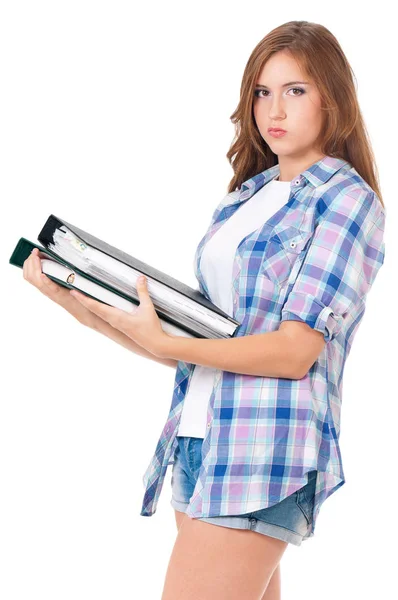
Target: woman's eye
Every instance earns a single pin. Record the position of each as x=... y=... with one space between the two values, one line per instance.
x=258 y=92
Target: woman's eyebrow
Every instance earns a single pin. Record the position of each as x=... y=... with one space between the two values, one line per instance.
x=284 y=85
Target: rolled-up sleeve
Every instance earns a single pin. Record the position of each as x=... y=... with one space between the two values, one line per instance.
x=339 y=265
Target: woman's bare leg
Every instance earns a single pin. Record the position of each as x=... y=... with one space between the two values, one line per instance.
x=273 y=591
x=179 y=518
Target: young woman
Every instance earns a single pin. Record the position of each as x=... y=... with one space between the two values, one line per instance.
x=291 y=252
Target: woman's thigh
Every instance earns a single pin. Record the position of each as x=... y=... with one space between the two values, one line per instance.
x=208 y=561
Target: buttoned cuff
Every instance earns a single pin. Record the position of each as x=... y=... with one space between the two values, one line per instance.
x=308 y=309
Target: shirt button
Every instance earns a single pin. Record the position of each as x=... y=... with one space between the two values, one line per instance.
x=297 y=182
x=208 y=424
x=235 y=300
x=292 y=244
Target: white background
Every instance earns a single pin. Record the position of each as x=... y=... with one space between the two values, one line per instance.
x=115 y=117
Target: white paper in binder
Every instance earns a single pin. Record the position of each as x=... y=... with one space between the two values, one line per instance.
x=123 y=278
x=63 y=273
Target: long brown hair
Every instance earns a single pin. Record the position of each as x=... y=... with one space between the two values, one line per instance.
x=343 y=134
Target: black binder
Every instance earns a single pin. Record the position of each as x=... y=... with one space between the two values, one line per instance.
x=24 y=247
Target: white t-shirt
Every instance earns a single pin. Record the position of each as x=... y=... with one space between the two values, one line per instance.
x=216 y=265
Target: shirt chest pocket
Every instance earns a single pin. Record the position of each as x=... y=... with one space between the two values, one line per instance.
x=286 y=245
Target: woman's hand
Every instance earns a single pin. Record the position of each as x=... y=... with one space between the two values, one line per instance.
x=33 y=274
x=142 y=325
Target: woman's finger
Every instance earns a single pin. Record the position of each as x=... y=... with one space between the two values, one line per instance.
x=33 y=273
x=27 y=268
x=35 y=269
x=26 y=264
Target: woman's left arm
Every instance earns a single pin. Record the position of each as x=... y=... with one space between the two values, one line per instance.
x=272 y=354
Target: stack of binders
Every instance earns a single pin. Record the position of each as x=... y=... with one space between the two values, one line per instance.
x=76 y=259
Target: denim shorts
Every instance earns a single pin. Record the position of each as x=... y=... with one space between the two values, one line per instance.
x=288 y=520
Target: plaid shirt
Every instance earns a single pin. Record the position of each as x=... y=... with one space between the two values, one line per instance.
x=313 y=261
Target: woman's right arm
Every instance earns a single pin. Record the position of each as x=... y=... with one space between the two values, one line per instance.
x=32 y=272
x=104 y=327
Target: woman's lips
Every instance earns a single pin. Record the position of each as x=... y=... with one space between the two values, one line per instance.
x=277 y=134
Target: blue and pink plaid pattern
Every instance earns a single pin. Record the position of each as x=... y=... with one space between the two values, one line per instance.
x=313 y=261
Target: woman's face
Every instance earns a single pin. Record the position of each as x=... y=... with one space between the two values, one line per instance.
x=295 y=107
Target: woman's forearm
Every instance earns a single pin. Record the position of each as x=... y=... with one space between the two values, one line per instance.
x=92 y=321
x=102 y=326
x=270 y=354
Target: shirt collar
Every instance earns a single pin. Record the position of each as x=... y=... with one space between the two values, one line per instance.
x=317 y=174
